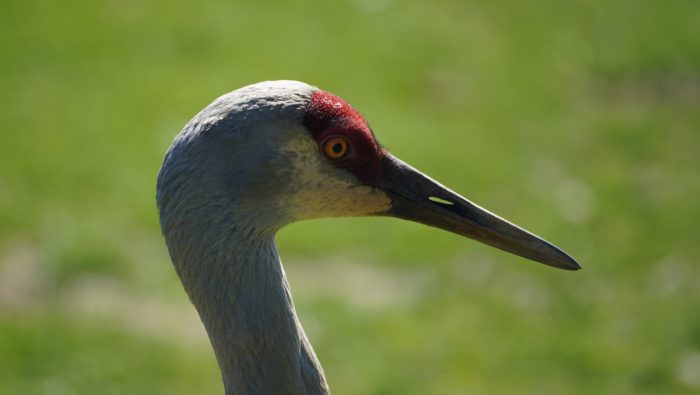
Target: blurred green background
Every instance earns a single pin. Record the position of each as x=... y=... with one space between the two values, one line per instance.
x=578 y=120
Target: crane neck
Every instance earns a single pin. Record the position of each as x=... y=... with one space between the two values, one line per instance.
x=241 y=292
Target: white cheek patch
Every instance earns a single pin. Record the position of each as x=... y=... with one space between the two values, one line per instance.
x=318 y=189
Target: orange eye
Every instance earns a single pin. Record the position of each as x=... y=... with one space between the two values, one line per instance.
x=336 y=147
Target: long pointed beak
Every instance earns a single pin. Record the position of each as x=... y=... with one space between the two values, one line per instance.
x=417 y=197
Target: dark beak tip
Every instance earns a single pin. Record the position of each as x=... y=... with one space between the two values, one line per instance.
x=574 y=266
x=567 y=263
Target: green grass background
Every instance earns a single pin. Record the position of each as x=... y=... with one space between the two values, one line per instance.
x=579 y=120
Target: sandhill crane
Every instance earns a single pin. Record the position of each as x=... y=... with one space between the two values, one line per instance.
x=259 y=158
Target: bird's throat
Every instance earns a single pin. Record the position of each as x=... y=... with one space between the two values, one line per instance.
x=244 y=301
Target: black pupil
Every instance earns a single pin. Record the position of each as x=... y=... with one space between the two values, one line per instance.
x=337 y=148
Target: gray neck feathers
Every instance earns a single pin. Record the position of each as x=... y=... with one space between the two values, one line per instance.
x=243 y=299
x=234 y=277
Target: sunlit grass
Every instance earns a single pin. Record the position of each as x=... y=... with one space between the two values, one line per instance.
x=576 y=120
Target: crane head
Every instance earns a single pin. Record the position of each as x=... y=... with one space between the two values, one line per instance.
x=278 y=152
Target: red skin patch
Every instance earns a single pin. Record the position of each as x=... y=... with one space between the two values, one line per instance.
x=328 y=115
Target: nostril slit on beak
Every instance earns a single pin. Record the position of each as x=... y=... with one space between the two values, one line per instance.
x=440 y=201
